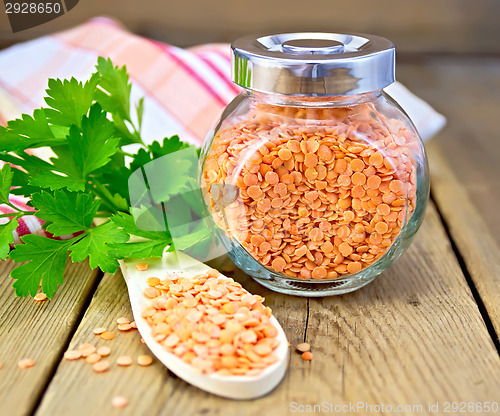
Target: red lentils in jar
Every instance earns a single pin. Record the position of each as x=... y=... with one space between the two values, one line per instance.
x=314 y=177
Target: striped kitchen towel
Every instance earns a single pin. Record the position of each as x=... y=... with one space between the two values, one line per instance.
x=185 y=90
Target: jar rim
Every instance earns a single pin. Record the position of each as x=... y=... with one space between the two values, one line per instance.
x=313 y=63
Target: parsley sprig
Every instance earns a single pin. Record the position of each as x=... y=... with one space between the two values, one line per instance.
x=86 y=125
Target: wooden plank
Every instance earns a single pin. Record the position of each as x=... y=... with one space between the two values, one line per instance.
x=466 y=92
x=464 y=161
x=472 y=235
x=414 y=336
x=36 y=330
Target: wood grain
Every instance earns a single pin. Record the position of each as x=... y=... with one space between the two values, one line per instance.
x=471 y=234
x=413 y=336
x=466 y=91
x=464 y=162
x=36 y=330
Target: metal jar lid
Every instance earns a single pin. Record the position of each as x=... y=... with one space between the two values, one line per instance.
x=316 y=64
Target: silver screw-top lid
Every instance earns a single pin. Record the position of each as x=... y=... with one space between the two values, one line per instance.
x=316 y=64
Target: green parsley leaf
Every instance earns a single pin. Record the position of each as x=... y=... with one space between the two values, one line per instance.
x=86 y=125
x=21 y=183
x=62 y=173
x=154 y=247
x=155 y=150
x=169 y=145
x=116 y=180
x=119 y=202
x=165 y=176
x=141 y=158
x=140 y=250
x=6 y=176
x=114 y=95
x=139 y=108
x=93 y=145
x=68 y=212
x=6 y=237
x=26 y=161
x=199 y=235
x=28 y=132
x=127 y=223
x=70 y=100
x=20 y=178
x=54 y=181
x=46 y=261
x=96 y=245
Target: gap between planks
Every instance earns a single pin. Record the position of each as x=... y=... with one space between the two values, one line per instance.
x=463 y=266
x=472 y=237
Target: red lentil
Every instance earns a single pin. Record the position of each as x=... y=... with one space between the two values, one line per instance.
x=144 y=360
x=40 y=297
x=103 y=351
x=101 y=366
x=303 y=347
x=93 y=358
x=99 y=331
x=88 y=351
x=341 y=171
x=85 y=346
x=107 y=335
x=227 y=330
x=124 y=361
x=119 y=402
x=142 y=266
x=26 y=363
x=124 y=327
x=72 y=355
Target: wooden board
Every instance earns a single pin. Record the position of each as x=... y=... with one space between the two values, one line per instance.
x=414 y=336
x=464 y=162
x=477 y=247
x=466 y=91
x=37 y=330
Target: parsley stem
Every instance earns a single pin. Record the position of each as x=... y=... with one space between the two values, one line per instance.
x=123 y=152
x=109 y=203
x=100 y=191
x=10 y=204
x=103 y=214
x=17 y=214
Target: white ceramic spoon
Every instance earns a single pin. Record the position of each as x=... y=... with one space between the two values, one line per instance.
x=233 y=387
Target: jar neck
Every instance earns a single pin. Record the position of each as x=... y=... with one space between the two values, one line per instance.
x=310 y=101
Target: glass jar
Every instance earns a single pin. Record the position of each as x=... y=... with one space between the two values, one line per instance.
x=317 y=181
